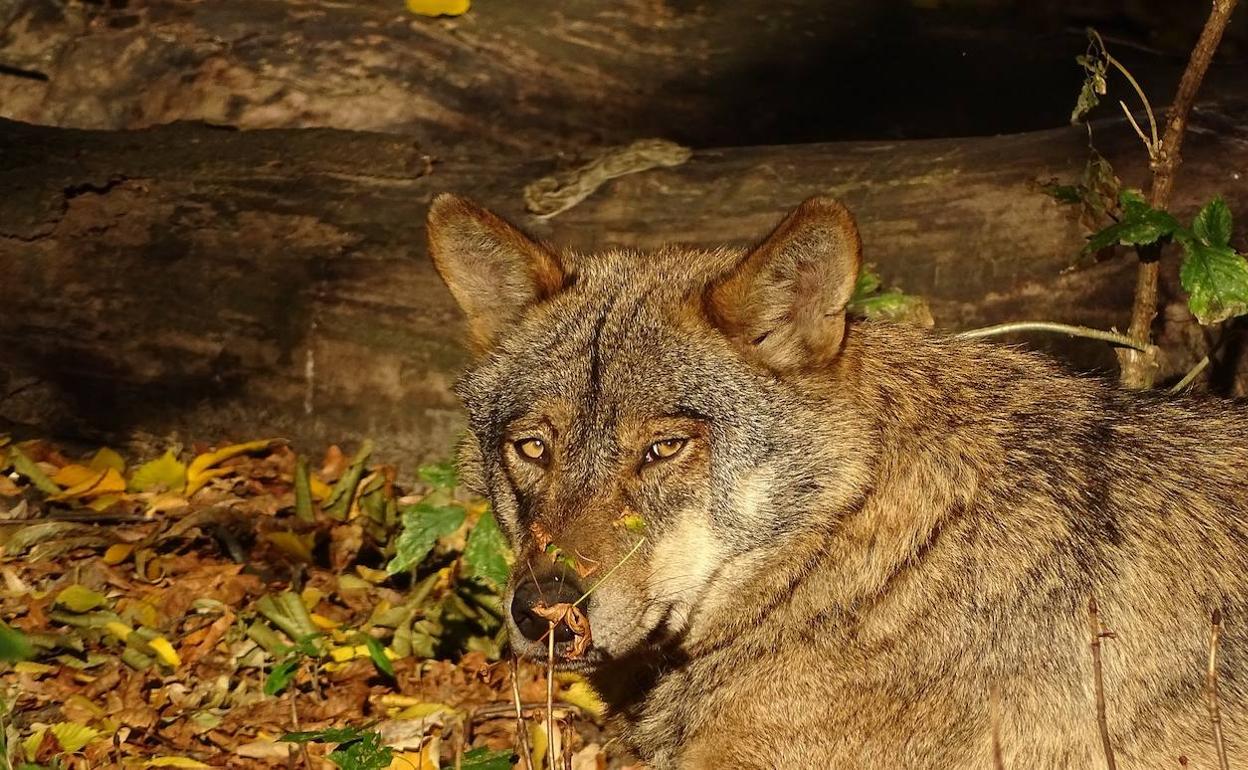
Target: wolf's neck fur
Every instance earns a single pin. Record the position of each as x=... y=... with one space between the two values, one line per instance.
x=947 y=421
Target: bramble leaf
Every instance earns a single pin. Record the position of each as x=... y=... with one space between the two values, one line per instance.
x=485 y=554
x=423 y=524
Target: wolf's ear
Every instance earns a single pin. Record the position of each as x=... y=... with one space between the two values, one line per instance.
x=493 y=270
x=785 y=300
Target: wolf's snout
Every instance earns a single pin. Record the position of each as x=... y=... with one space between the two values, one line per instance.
x=549 y=592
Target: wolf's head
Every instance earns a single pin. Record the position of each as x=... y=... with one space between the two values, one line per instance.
x=652 y=428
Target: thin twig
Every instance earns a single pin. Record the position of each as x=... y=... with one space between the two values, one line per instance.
x=551 y=755
x=1139 y=368
x=1102 y=722
x=1211 y=685
x=610 y=572
x=1191 y=375
x=1138 y=131
x=1148 y=107
x=522 y=732
x=294 y=719
x=1112 y=338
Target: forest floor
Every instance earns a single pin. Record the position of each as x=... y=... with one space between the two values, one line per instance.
x=198 y=608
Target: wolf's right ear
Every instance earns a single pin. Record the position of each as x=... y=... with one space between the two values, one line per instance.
x=784 y=302
x=493 y=270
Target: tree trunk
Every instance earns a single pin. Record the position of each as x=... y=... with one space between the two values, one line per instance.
x=214 y=283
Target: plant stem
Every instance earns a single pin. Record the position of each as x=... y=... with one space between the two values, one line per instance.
x=1211 y=685
x=1098 y=681
x=610 y=572
x=1192 y=374
x=522 y=732
x=1140 y=368
x=1057 y=328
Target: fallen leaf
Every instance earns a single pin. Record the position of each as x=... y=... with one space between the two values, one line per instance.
x=438 y=7
x=165 y=473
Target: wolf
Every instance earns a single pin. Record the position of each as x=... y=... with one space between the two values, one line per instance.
x=806 y=540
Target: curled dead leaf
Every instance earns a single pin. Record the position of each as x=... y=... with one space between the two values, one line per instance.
x=572 y=617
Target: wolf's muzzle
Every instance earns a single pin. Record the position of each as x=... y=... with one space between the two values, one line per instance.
x=550 y=591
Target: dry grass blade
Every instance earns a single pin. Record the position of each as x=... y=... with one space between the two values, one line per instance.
x=522 y=732
x=1211 y=687
x=1102 y=722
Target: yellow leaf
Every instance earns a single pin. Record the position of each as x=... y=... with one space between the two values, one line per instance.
x=118 y=629
x=108 y=458
x=164 y=651
x=197 y=483
x=343 y=654
x=72 y=736
x=118 y=553
x=165 y=473
x=438 y=7
x=106 y=482
x=581 y=695
x=31 y=745
x=538 y=741
x=320 y=490
x=420 y=710
x=298 y=547
x=211 y=459
x=372 y=575
x=79 y=598
x=324 y=623
x=33 y=668
x=73 y=475
x=175 y=762
x=104 y=502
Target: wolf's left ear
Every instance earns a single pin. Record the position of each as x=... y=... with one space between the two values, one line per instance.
x=493 y=270
x=784 y=302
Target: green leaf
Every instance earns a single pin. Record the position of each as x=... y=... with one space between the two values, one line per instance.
x=303 y=490
x=439 y=475
x=869 y=300
x=328 y=735
x=282 y=675
x=1216 y=280
x=485 y=554
x=28 y=468
x=1093 y=88
x=484 y=759
x=377 y=652
x=79 y=598
x=340 y=499
x=1213 y=224
x=1140 y=225
x=14 y=646
x=423 y=524
x=365 y=753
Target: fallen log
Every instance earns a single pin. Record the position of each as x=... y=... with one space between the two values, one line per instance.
x=199 y=282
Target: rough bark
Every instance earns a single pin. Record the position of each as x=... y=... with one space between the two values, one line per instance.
x=545 y=77
x=209 y=282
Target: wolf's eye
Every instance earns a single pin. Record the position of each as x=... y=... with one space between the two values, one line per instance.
x=663 y=450
x=532 y=449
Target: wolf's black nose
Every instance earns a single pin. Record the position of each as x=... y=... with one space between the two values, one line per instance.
x=549 y=592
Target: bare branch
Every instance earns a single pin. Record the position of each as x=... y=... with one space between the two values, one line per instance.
x=1139 y=369
x=1057 y=328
